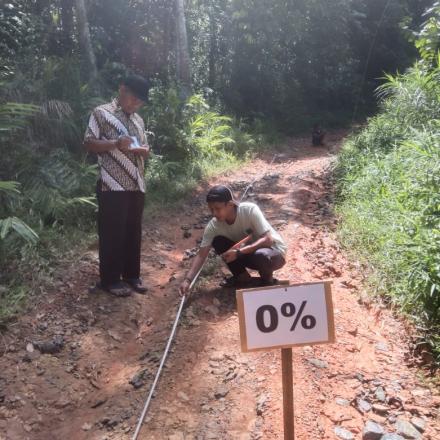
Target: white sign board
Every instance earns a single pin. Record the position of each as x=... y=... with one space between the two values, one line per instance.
x=284 y=316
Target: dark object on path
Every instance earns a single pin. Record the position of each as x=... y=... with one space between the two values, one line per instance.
x=140 y=378
x=317 y=136
x=50 y=347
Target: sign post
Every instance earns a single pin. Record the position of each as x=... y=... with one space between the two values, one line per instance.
x=283 y=317
x=288 y=414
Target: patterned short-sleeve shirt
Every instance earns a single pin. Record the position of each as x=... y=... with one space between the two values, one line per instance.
x=118 y=171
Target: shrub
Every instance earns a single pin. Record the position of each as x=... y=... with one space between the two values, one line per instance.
x=389 y=196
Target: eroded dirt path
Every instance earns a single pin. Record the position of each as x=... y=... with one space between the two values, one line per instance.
x=94 y=388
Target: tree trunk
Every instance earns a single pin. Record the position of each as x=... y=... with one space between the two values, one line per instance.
x=212 y=49
x=183 y=59
x=85 y=41
x=67 y=24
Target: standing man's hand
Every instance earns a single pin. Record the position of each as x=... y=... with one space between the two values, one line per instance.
x=124 y=143
x=143 y=151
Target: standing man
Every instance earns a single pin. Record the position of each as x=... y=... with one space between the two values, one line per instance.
x=116 y=133
x=243 y=237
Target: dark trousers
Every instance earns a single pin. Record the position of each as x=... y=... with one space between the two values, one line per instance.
x=120 y=233
x=264 y=260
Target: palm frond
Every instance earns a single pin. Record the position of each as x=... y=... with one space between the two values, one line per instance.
x=9 y=186
x=14 y=224
x=55 y=108
x=14 y=116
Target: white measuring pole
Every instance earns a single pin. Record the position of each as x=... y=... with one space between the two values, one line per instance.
x=164 y=356
x=162 y=362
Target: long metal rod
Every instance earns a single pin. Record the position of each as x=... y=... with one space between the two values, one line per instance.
x=173 y=332
x=164 y=357
x=159 y=371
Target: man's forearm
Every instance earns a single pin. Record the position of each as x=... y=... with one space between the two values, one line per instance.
x=100 y=146
x=197 y=263
x=263 y=242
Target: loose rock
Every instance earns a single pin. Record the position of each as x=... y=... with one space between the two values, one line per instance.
x=381 y=346
x=372 y=431
x=342 y=402
x=363 y=406
x=318 y=363
x=380 y=394
x=380 y=409
x=110 y=422
x=177 y=436
x=114 y=336
x=212 y=309
x=86 y=427
x=220 y=392
x=139 y=378
x=182 y=396
x=343 y=433
x=419 y=424
x=405 y=429
x=50 y=347
x=261 y=403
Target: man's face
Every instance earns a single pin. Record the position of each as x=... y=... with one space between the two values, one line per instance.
x=221 y=210
x=129 y=103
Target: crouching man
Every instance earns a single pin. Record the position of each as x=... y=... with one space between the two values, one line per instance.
x=242 y=236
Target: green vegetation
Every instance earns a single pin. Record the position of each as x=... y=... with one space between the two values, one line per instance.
x=389 y=189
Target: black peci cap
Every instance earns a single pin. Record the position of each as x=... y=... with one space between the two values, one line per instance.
x=220 y=193
x=138 y=86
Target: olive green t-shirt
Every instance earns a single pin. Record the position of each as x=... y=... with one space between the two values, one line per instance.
x=249 y=220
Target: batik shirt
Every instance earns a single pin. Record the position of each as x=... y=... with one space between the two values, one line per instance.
x=118 y=171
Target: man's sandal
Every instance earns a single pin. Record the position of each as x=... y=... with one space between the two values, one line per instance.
x=228 y=282
x=119 y=289
x=136 y=285
x=233 y=282
x=273 y=282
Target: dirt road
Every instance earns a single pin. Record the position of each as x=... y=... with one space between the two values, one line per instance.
x=94 y=383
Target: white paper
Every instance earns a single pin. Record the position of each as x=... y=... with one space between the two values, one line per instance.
x=135 y=142
x=313 y=294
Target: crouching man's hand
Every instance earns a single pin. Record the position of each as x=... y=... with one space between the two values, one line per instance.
x=229 y=256
x=184 y=287
x=196 y=266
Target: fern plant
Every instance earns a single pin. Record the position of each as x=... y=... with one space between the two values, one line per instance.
x=12 y=224
x=207 y=133
x=14 y=116
x=428 y=39
x=58 y=187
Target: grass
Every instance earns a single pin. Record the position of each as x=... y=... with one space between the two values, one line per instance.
x=389 y=199
x=32 y=271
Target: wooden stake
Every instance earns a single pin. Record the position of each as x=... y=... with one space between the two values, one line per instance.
x=289 y=421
